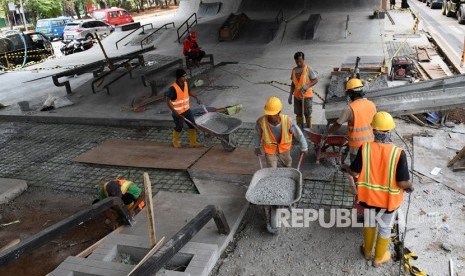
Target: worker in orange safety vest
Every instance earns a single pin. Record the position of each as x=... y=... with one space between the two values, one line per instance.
x=275 y=131
x=303 y=79
x=131 y=195
x=358 y=115
x=177 y=99
x=382 y=175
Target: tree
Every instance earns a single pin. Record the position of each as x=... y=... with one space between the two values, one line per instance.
x=43 y=8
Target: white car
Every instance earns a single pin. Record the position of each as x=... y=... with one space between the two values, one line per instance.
x=86 y=30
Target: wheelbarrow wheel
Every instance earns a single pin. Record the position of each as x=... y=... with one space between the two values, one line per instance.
x=231 y=146
x=272 y=225
x=207 y=140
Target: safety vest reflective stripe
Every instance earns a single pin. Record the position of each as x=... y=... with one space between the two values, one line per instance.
x=360 y=130
x=270 y=145
x=181 y=104
x=303 y=80
x=377 y=185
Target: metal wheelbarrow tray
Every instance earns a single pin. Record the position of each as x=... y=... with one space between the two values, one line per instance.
x=221 y=126
x=336 y=141
x=281 y=186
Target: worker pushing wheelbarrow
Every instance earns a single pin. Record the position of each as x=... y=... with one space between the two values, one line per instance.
x=213 y=124
x=273 y=187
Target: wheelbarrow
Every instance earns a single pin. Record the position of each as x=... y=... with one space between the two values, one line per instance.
x=336 y=142
x=273 y=189
x=219 y=125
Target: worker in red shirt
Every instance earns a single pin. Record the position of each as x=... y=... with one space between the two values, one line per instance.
x=191 y=49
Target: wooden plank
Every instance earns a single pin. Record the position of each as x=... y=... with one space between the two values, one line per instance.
x=457 y=157
x=149 y=254
x=90 y=249
x=141 y=154
x=242 y=161
x=150 y=214
x=434 y=71
x=10 y=245
x=422 y=54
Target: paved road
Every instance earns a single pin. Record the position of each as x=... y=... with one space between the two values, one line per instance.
x=447 y=29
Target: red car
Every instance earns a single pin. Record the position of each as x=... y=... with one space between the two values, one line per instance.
x=113 y=16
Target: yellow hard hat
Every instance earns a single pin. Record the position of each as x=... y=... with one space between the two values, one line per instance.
x=273 y=106
x=353 y=84
x=383 y=121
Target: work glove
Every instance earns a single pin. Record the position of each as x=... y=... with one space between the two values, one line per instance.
x=289 y=100
x=304 y=151
x=409 y=190
x=258 y=151
x=304 y=88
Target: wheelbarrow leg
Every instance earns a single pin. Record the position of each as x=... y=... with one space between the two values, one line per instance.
x=271 y=219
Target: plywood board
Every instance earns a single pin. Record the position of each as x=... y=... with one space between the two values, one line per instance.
x=241 y=161
x=141 y=154
x=433 y=70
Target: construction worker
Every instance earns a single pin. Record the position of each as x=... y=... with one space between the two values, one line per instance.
x=303 y=79
x=191 y=49
x=177 y=99
x=276 y=130
x=132 y=196
x=358 y=114
x=381 y=172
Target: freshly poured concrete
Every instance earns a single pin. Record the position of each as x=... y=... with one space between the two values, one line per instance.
x=11 y=188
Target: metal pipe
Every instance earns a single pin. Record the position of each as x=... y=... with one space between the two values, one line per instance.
x=171 y=247
x=34 y=241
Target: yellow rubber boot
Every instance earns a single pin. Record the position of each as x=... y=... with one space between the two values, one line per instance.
x=299 y=120
x=369 y=234
x=309 y=121
x=193 y=138
x=176 y=135
x=382 y=254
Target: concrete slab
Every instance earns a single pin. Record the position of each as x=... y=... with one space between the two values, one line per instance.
x=223 y=188
x=11 y=188
x=174 y=210
x=80 y=266
x=434 y=149
x=141 y=154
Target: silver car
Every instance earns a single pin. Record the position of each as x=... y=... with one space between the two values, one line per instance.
x=86 y=30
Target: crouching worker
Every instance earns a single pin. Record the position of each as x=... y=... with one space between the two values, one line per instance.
x=131 y=195
x=381 y=172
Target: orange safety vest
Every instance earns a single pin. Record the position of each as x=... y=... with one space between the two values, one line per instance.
x=360 y=131
x=270 y=145
x=298 y=84
x=181 y=104
x=124 y=186
x=377 y=185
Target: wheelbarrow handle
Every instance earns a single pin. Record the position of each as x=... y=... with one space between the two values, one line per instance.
x=204 y=108
x=300 y=160
x=260 y=160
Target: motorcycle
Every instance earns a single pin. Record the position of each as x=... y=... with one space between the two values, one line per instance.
x=74 y=46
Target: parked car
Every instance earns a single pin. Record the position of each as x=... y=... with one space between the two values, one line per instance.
x=434 y=3
x=113 y=16
x=454 y=8
x=86 y=30
x=52 y=27
x=12 y=47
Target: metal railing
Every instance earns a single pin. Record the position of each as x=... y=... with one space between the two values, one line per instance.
x=154 y=32
x=278 y=19
x=188 y=26
x=143 y=30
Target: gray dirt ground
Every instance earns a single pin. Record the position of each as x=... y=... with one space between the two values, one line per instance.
x=335 y=251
